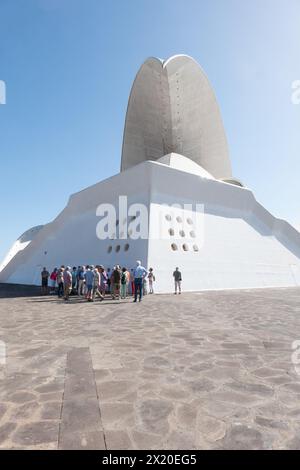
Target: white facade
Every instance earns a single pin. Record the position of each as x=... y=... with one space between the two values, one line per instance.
x=222 y=238
x=236 y=243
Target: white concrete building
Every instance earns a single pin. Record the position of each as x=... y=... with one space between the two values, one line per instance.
x=174 y=152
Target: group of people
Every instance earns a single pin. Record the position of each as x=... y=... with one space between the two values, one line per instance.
x=94 y=281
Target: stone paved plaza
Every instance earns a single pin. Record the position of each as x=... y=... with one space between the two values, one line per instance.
x=211 y=370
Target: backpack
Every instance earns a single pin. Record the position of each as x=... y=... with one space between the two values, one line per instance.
x=116 y=276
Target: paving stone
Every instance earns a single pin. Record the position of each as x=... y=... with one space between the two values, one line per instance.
x=255 y=388
x=80 y=415
x=266 y=372
x=114 y=389
x=177 y=440
x=90 y=440
x=200 y=385
x=157 y=362
x=117 y=414
x=50 y=388
x=22 y=397
x=270 y=423
x=240 y=437
x=6 y=430
x=51 y=410
x=293 y=444
x=292 y=387
x=102 y=374
x=26 y=411
x=45 y=397
x=186 y=416
x=243 y=399
x=36 y=433
x=3 y=409
x=118 y=440
x=144 y=440
x=153 y=415
x=210 y=428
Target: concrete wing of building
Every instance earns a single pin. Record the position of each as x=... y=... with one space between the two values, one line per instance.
x=172 y=108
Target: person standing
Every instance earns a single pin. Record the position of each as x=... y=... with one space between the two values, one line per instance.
x=115 y=283
x=74 y=280
x=67 y=276
x=103 y=280
x=89 y=281
x=53 y=277
x=132 y=281
x=60 y=282
x=45 y=276
x=80 y=280
x=151 y=279
x=123 y=283
x=177 y=279
x=96 y=285
x=127 y=281
x=108 y=281
x=139 y=275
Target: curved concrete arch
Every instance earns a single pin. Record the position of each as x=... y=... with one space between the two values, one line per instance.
x=172 y=108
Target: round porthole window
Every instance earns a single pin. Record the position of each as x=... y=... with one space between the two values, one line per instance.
x=192 y=234
x=182 y=233
x=118 y=248
x=171 y=232
x=179 y=219
x=126 y=247
x=109 y=249
x=189 y=221
x=195 y=247
x=185 y=247
x=168 y=217
x=174 y=247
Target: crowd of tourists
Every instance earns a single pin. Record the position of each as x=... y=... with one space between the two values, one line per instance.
x=91 y=282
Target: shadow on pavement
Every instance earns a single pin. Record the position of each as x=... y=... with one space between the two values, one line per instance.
x=18 y=290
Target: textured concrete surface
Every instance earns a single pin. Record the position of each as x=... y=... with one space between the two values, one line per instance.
x=208 y=371
x=173 y=108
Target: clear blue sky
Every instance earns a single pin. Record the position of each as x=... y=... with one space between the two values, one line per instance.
x=69 y=65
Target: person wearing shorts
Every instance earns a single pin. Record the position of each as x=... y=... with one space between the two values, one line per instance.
x=45 y=275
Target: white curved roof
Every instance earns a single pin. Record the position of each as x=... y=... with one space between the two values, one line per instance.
x=172 y=108
x=179 y=162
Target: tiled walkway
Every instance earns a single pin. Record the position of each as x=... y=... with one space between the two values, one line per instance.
x=207 y=370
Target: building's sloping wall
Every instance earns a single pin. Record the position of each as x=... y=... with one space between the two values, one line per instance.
x=71 y=238
x=20 y=244
x=236 y=242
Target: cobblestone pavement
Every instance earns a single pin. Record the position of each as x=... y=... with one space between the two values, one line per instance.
x=211 y=370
